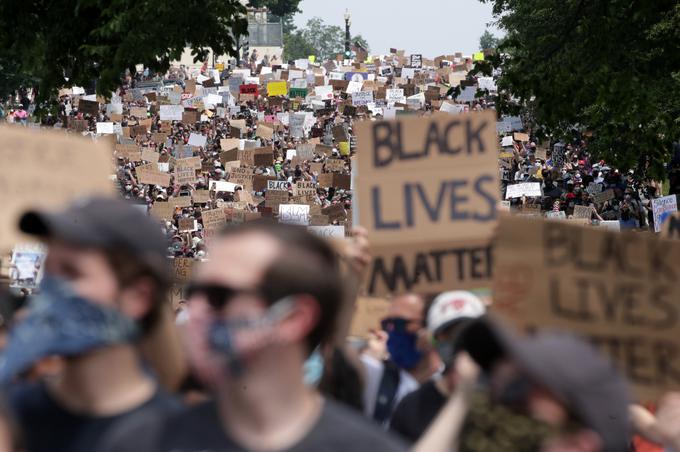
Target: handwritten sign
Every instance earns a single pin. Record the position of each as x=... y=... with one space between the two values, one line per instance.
x=171 y=112
x=604 y=196
x=328 y=232
x=528 y=189
x=618 y=289
x=583 y=212
x=277 y=185
x=277 y=88
x=428 y=196
x=662 y=209
x=294 y=214
x=182 y=267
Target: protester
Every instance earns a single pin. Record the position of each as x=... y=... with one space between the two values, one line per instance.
x=448 y=315
x=550 y=392
x=257 y=309
x=404 y=363
x=104 y=290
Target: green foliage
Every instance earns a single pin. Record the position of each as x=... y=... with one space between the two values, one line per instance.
x=611 y=67
x=279 y=8
x=75 y=42
x=488 y=41
x=317 y=38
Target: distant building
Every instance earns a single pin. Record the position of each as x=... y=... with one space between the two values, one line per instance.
x=264 y=36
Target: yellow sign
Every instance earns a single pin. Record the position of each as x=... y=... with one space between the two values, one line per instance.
x=343 y=147
x=279 y=88
x=219 y=66
x=311 y=58
x=478 y=56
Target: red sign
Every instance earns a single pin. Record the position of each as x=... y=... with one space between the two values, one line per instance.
x=248 y=89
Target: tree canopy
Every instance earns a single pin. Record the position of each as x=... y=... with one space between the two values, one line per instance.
x=610 y=67
x=49 y=45
x=488 y=41
x=319 y=39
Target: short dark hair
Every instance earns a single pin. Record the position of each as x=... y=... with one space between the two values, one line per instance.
x=307 y=265
x=128 y=270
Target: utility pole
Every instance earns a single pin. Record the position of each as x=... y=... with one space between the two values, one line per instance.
x=348 y=52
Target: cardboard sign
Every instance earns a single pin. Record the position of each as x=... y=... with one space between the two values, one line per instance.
x=263 y=157
x=328 y=232
x=47 y=169
x=368 y=313
x=182 y=267
x=319 y=220
x=427 y=196
x=163 y=210
x=187 y=225
x=583 y=212
x=148 y=175
x=663 y=208
x=297 y=214
x=200 y=196
x=335 y=212
x=274 y=198
x=88 y=107
x=213 y=219
x=618 y=289
x=529 y=189
x=342 y=181
x=277 y=185
x=600 y=198
x=594 y=188
x=185 y=175
x=335 y=165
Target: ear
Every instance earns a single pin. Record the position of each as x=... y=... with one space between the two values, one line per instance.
x=136 y=300
x=300 y=321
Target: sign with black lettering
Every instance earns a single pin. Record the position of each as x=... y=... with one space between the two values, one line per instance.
x=617 y=289
x=427 y=195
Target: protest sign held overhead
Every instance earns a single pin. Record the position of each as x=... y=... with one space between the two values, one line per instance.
x=618 y=290
x=428 y=191
x=45 y=169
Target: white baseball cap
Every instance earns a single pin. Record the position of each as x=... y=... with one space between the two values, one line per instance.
x=451 y=306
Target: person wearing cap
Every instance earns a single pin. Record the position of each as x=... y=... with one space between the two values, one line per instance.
x=103 y=293
x=550 y=392
x=448 y=315
x=269 y=295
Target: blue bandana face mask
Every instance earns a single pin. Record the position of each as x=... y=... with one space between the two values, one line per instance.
x=401 y=344
x=313 y=368
x=61 y=322
x=222 y=333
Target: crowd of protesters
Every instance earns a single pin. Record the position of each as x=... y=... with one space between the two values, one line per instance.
x=258 y=357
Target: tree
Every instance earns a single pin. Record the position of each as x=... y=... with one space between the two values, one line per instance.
x=317 y=38
x=76 y=42
x=279 y=8
x=609 y=67
x=488 y=41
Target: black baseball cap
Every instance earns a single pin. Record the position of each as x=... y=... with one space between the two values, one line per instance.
x=589 y=385
x=105 y=223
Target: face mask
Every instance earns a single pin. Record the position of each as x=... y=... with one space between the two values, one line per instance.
x=401 y=346
x=60 y=322
x=492 y=427
x=222 y=334
x=313 y=368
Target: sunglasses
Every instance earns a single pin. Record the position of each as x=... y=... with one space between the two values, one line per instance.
x=216 y=294
x=396 y=324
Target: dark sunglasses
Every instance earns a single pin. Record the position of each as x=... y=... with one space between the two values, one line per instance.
x=216 y=294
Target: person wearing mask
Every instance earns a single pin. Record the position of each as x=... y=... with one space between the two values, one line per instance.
x=408 y=362
x=550 y=392
x=103 y=294
x=268 y=297
x=448 y=315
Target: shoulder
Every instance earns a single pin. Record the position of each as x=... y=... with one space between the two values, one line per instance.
x=350 y=430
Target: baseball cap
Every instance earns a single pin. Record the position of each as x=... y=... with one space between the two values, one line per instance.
x=449 y=307
x=105 y=223
x=590 y=387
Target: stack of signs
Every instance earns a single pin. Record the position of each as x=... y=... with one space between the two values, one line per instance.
x=619 y=290
x=662 y=209
x=428 y=202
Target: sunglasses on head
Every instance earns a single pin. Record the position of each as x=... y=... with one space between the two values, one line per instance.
x=217 y=294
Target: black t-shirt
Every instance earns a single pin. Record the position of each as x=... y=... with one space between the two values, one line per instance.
x=416 y=411
x=48 y=427
x=199 y=429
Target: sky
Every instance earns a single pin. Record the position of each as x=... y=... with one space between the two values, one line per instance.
x=430 y=27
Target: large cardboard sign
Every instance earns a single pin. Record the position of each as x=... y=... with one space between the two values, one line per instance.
x=47 y=169
x=428 y=190
x=618 y=289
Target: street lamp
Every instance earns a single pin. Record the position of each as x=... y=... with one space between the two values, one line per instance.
x=347 y=36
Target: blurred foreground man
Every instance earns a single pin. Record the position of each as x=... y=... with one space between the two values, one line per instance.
x=104 y=288
x=549 y=393
x=268 y=296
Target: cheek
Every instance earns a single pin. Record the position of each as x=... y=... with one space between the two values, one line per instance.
x=100 y=287
x=205 y=363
